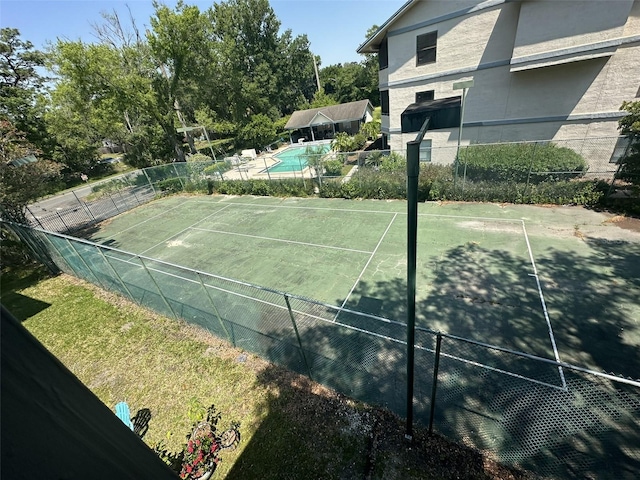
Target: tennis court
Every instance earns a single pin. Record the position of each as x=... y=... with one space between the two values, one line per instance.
x=551 y=282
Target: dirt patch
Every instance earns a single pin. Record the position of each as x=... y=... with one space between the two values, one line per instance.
x=626 y=223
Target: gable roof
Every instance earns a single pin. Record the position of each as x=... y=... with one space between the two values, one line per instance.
x=372 y=44
x=345 y=112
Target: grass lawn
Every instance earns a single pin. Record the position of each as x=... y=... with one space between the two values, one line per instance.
x=290 y=426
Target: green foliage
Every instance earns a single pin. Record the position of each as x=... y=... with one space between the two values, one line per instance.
x=321 y=99
x=343 y=142
x=218 y=167
x=394 y=162
x=170 y=185
x=352 y=81
x=199 y=157
x=630 y=126
x=275 y=188
x=371 y=130
x=564 y=192
x=333 y=168
x=22 y=88
x=521 y=162
x=259 y=132
x=368 y=184
x=436 y=182
x=20 y=185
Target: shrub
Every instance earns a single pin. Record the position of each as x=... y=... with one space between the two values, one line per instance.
x=199 y=157
x=371 y=129
x=521 y=162
x=585 y=192
x=343 y=142
x=394 y=162
x=333 y=168
x=278 y=188
x=170 y=185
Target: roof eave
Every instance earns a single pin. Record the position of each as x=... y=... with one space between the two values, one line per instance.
x=371 y=44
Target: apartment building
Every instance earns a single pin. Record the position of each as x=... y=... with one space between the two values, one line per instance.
x=541 y=69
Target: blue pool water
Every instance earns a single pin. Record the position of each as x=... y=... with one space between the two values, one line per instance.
x=293 y=159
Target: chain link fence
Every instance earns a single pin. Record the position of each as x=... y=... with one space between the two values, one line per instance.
x=81 y=207
x=555 y=419
x=522 y=172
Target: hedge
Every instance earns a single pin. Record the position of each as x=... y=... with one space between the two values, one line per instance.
x=276 y=188
x=521 y=162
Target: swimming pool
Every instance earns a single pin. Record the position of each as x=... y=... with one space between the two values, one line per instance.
x=293 y=159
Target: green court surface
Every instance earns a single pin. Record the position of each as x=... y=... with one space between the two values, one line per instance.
x=554 y=282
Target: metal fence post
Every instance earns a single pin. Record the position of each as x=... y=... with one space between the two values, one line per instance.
x=266 y=168
x=464 y=174
x=533 y=157
x=302 y=173
x=434 y=384
x=84 y=205
x=54 y=248
x=215 y=309
x=89 y=269
x=180 y=179
x=104 y=257
x=164 y=299
x=35 y=218
x=114 y=203
x=144 y=170
x=295 y=328
x=63 y=222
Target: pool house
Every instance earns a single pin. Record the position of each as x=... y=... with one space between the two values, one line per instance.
x=324 y=122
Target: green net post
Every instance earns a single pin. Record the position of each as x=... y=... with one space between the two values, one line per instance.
x=413 y=170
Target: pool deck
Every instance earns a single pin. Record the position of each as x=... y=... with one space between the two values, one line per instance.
x=257 y=168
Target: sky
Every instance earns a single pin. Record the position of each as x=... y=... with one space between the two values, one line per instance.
x=335 y=28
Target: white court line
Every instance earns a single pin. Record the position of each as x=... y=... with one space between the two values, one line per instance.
x=144 y=221
x=281 y=240
x=374 y=211
x=365 y=267
x=544 y=305
x=182 y=231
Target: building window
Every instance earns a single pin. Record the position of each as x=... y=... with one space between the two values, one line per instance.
x=425 y=150
x=424 y=96
x=384 y=102
x=426 y=48
x=383 y=55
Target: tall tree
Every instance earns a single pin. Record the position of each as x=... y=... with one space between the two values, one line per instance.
x=178 y=41
x=22 y=86
x=265 y=73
